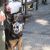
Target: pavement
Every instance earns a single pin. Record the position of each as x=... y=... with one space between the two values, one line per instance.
x=36 y=33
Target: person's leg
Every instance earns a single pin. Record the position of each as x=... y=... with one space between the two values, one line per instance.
x=42 y=1
x=20 y=44
x=45 y=1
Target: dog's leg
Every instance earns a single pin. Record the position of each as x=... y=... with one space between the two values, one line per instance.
x=20 y=44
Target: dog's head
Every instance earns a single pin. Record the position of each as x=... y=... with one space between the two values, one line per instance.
x=17 y=27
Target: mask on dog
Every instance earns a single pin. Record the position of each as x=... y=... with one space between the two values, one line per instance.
x=17 y=27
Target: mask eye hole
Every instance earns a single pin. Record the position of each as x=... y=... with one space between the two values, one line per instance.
x=17 y=27
x=14 y=27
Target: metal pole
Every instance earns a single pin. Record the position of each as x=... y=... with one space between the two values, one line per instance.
x=22 y=6
x=36 y=4
x=25 y=7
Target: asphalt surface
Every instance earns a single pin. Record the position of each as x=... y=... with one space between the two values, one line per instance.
x=36 y=33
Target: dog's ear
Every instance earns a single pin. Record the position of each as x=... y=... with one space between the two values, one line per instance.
x=13 y=24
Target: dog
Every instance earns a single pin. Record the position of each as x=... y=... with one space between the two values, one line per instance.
x=12 y=34
x=13 y=37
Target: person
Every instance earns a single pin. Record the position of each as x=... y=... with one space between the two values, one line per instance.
x=44 y=2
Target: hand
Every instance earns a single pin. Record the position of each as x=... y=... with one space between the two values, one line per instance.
x=2 y=16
